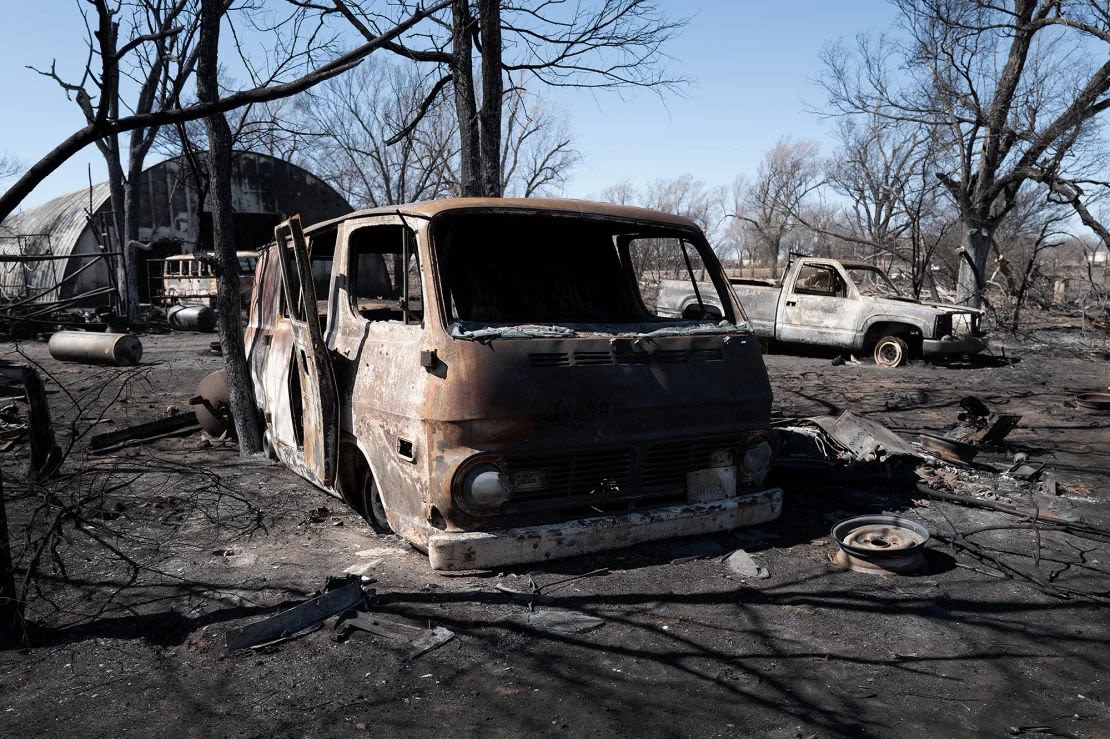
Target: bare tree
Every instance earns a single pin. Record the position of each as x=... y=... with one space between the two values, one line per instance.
x=683 y=195
x=1035 y=225
x=105 y=124
x=1008 y=89
x=537 y=151
x=788 y=175
x=345 y=125
x=9 y=167
x=603 y=44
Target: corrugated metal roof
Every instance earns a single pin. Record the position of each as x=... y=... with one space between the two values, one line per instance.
x=51 y=228
x=261 y=184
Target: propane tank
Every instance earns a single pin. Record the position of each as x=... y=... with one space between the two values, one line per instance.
x=120 y=350
x=192 y=318
x=212 y=405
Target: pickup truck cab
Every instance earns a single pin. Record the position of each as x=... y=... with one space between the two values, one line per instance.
x=494 y=381
x=846 y=305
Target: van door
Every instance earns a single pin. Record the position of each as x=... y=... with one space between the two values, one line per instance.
x=312 y=378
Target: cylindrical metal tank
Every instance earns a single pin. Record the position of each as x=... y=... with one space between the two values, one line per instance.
x=212 y=405
x=192 y=318
x=95 y=348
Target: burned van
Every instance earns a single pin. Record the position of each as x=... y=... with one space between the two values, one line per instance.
x=491 y=379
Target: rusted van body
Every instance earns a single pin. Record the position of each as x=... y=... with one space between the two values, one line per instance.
x=489 y=379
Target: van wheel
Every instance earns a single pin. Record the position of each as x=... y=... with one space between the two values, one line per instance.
x=360 y=490
x=372 y=508
x=891 y=351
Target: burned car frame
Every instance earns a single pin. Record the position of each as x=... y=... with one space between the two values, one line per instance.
x=487 y=378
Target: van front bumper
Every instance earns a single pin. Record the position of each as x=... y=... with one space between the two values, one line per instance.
x=954 y=347
x=468 y=550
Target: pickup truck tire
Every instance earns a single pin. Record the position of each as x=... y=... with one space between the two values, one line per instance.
x=891 y=351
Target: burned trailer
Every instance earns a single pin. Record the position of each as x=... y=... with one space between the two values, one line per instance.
x=492 y=379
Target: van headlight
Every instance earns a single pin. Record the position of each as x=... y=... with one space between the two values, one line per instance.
x=483 y=487
x=756 y=459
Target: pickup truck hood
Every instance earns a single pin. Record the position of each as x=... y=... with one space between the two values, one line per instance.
x=933 y=307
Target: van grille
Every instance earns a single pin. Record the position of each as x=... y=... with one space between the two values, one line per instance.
x=611 y=478
x=660 y=356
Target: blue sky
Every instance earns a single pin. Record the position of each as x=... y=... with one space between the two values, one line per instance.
x=751 y=64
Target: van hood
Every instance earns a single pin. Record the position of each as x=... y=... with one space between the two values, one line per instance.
x=598 y=390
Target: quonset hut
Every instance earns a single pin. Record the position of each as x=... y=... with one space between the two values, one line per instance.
x=264 y=190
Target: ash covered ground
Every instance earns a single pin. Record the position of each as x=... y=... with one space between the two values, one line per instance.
x=160 y=549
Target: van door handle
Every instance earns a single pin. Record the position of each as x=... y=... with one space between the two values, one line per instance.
x=791 y=302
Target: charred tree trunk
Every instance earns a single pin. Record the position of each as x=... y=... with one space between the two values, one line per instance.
x=240 y=394
x=493 y=93
x=131 y=204
x=978 y=237
x=466 y=109
x=131 y=235
x=117 y=191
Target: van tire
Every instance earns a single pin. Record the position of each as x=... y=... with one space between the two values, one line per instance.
x=360 y=490
x=374 y=510
x=891 y=351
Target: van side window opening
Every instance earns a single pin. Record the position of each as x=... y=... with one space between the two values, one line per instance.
x=529 y=269
x=816 y=279
x=384 y=274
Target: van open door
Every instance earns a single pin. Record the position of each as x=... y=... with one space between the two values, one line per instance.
x=311 y=371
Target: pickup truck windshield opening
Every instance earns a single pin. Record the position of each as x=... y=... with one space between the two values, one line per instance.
x=871 y=281
x=536 y=269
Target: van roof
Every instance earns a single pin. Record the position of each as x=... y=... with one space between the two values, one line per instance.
x=432 y=208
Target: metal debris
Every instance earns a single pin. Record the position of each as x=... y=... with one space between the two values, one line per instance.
x=949 y=449
x=880 y=544
x=1093 y=402
x=419 y=640
x=298 y=618
x=1029 y=471
x=845 y=438
x=173 y=425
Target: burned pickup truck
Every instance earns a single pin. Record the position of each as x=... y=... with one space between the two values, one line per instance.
x=493 y=380
x=846 y=305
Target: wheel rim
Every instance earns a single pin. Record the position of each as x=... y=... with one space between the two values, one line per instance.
x=889 y=353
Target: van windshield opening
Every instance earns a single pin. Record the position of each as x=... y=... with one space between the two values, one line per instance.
x=500 y=269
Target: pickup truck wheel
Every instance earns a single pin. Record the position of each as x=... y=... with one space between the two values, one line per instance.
x=890 y=351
